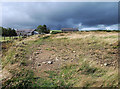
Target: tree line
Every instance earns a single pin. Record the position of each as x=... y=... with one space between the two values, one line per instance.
x=8 y=32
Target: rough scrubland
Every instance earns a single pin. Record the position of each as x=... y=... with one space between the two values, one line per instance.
x=76 y=59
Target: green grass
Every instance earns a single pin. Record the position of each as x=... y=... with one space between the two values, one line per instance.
x=55 y=31
x=70 y=75
x=49 y=49
x=93 y=71
x=8 y=38
x=24 y=78
x=110 y=37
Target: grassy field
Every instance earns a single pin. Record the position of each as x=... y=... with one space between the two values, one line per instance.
x=55 y=31
x=8 y=38
x=77 y=59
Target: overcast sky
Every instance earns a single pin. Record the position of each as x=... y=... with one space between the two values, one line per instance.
x=56 y=15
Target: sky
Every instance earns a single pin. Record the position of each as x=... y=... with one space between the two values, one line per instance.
x=57 y=15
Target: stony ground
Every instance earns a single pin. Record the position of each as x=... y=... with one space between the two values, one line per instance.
x=67 y=47
x=83 y=56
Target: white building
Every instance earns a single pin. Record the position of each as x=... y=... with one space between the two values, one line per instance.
x=26 y=32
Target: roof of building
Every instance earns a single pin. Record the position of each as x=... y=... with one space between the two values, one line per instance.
x=25 y=30
x=70 y=29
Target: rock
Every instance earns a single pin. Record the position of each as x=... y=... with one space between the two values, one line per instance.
x=30 y=59
x=33 y=67
x=44 y=62
x=113 y=64
x=73 y=51
x=38 y=35
x=50 y=62
x=56 y=59
x=36 y=53
x=22 y=42
x=58 y=55
x=40 y=52
x=97 y=62
x=21 y=49
x=16 y=55
x=105 y=64
x=65 y=58
x=72 y=59
x=39 y=64
x=50 y=58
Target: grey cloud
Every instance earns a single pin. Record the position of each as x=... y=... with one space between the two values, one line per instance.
x=66 y=14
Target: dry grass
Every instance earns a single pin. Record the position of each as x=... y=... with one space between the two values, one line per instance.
x=80 y=59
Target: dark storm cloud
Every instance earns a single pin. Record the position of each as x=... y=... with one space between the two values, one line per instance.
x=57 y=14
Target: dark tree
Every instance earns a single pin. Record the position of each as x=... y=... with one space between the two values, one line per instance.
x=8 y=32
x=14 y=32
x=42 y=29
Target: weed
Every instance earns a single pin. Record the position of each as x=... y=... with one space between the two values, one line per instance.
x=86 y=69
x=46 y=37
x=64 y=38
x=110 y=37
x=49 y=49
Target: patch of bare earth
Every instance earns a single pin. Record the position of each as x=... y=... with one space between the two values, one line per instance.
x=69 y=48
x=53 y=54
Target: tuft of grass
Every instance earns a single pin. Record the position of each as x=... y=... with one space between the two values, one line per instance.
x=46 y=37
x=49 y=49
x=86 y=69
x=110 y=37
x=64 y=38
x=22 y=79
